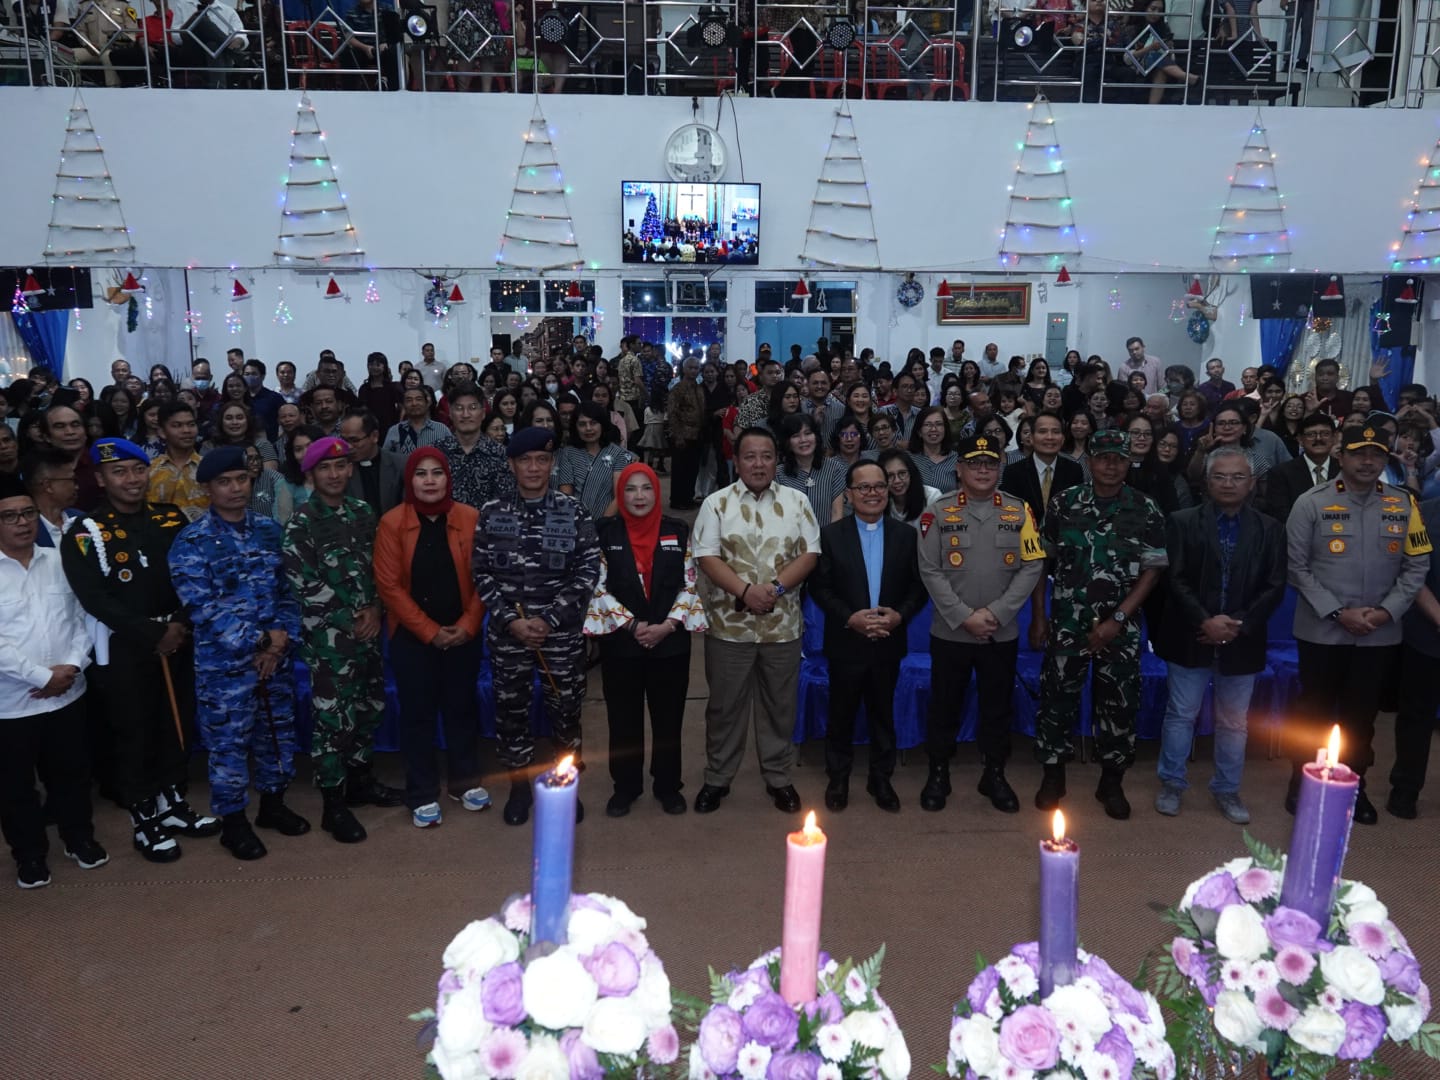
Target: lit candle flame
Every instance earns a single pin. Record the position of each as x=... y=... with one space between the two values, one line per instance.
x=1057 y=826
x=811 y=830
x=1333 y=752
x=565 y=767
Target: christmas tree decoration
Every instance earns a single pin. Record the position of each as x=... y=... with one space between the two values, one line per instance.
x=238 y=291
x=18 y=304
x=539 y=234
x=87 y=224
x=315 y=225
x=1114 y=299
x=1407 y=294
x=1063 y=278
x=233 y=324
x=1252 y=231
x=841 y=231
x=651 y=228
x=802 y=291
x=282 y=316
x=437 y=298
x=456 y=296
x=942 y=292
x=372 y=294
x=1040 y=230
x=193 y=321
x=333 y=290
x=1419 y=243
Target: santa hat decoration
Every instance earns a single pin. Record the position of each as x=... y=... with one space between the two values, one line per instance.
x=131 y=284
x=456 y=296
x=1407 y=294
x=1195 y=290
x=1332 y=290
x=32 y=285
x=573 y=295
x=238 y=291
x=802 y=291
x=943 y=291
x=1063 y=278
x=333 y=290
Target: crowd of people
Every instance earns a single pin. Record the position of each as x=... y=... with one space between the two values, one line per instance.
x=170 y=548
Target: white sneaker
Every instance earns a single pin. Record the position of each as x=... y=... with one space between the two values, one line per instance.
x=476 y=799
x=425 y=816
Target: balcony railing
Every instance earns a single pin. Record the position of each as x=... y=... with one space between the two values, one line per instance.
x=1386 y=55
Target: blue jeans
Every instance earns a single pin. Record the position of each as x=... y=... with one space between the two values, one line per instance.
x=1232 y=702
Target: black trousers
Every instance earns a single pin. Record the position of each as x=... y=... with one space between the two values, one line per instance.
x=628 y=685
x=871 y=681
x=145 y=754
x=51 y=743
x=430 y=680
x=951 y=663
x=1340 y=684
x=686 y=472
x=1415 y=722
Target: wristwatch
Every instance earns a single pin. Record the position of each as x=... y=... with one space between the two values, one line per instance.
x=1334 y=616
x=1120 y=616
x=779 y=589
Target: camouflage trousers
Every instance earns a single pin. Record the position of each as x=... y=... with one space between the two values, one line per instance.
x=1114 y=702
x=239 y=719
x=513 y=669
x=347 y=702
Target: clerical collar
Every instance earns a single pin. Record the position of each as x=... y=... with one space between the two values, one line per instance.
x=868 y=526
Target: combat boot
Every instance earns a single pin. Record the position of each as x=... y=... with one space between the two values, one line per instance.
x=178 y=816
x=274 y=814
x=997 y=789
x=152 y=839
x=363 y=788
x=1112 y=795
x=239 y=838
x=517 y=806
x=1052 y=788
x=336 y=818
x=937 y=787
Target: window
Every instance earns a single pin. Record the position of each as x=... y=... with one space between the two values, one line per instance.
x=826 y=297
x=512 y=294
x=557 y=291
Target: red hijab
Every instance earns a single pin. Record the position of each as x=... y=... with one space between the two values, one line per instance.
x=644 y=532
x=428 y=453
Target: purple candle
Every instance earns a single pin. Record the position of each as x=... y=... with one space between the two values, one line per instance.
x=1059 y=908
x=1322 y=833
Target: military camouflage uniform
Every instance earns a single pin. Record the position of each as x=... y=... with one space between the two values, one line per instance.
x=231 y=579
x=544 y=557
x=1097 y=550
x=328 y=561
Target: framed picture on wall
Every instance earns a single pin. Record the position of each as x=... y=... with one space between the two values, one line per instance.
x=1006 y=304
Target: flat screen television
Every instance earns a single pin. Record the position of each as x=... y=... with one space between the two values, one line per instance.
x=690 y=224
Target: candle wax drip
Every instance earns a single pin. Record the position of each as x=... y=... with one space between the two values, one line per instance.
x=807 y=839
x=1064 y=844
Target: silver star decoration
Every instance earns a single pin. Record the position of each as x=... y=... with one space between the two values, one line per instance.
x=1276 y=305
x=50 y=291
x=347 y=298
x=251 y=279
x=215 y=290
x=404 y=314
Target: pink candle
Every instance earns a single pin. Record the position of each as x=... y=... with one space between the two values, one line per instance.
x=804 y=889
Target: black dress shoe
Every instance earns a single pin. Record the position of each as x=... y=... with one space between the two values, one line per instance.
x=937 y=787
x=1365 y=810
x=672 y=802
x=884 y=794
x=837 y=793
x=1401 y=804
x=786 y=799
x=997 y=789
x=618 y=806
x=237 y=836
x=707 y=800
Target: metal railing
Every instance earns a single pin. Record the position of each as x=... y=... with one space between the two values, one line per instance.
x=925 y=50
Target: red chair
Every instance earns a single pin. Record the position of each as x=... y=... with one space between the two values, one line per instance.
x=950 y=70
x=882 y=70
x=829 y=72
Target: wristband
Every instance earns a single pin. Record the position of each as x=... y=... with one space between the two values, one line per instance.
x=743 y=591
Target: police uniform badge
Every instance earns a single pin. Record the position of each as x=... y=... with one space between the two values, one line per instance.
x=956 y=559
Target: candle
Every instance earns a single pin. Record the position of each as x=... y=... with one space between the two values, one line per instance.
x=1059 y=907
x=555 y=795
x=1321 y=835
x=804 y=887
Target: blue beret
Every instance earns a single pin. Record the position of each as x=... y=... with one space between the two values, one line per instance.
x=528 y=440
x=115 y=449
x=220 y=460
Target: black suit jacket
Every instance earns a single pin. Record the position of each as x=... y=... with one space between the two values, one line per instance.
x=1286 y=483
x=839 y=586
x=392 y=481
x=1192 y=584
x=1023 y=479
x=667 y=578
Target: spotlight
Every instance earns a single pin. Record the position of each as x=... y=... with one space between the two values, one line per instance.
x=1023 y=36
x=552 y=27
x=840 y=34
x=713 y=30
x=420 y=21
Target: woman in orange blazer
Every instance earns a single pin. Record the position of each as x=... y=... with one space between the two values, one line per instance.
x=422 y=571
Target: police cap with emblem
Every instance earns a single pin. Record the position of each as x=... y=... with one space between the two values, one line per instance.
x=1356 y=436
x=116 y=449
x=529 y=440
x=1109 y=441
x=979 y=448
x=221 y=460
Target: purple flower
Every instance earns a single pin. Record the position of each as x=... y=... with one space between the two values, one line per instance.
x=1286 y=926
x=1217 y=893
x=721 y=1033
x=502 y=995
x=663 y=1045
x=1028 y=951
x=1117 y=1047
x=981 y=988
x=1029 y=1038
x=827 y=1007
x=449 y=983
x=822 y=960
x=615 y=970
x=1364 y=1030
x=796 y=1066
x=771 y=1022
x=584 y=1065
x=1182 y=951
x=1401 y=971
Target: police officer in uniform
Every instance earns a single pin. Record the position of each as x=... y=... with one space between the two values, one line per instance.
x=980 y=558
x=1105 y=542
x=115 y=558
x=536 y=563
x=1359 y=553
x=229 y=573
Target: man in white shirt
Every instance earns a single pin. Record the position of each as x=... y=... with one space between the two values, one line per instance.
x=49 y=477
x=43 y=649
x=990 y=364
x=1137 y=359
x=431 y=370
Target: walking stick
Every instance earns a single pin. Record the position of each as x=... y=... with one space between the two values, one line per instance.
x=174 y=705
x=262 y=691
x=544 y=666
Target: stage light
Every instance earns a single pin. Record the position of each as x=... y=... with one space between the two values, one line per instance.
x=552 y=27
x=840 y=34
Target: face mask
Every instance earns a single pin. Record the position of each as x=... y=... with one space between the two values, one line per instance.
x=202 y=384
x=253 y=381
x=552 y=388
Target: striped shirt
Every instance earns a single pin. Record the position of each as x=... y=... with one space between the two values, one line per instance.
x=592 y=477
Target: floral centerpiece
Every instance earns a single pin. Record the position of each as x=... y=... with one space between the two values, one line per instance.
x=1098 y=1027
x=1247 y=976
x=750 y=1032
x=598 y=1005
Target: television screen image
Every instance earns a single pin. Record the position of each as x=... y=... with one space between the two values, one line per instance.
x=700 y=224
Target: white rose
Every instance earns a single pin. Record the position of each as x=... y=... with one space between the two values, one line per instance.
x=621 y=913
x=652 y=995
x=1237 y=1021
x=482 y=945
x=1240 y=933
x=458 y=1067
x=1354 y=974
x=1356 y=892
x=1236 y=867
x=558 y=991
x=462 y=1027
x=1080 y=1005
x=1366 y=911
x=1405 y=1021
x=614 y=1026
x=545 y=1061
x=698 y=1069
x=980 y=1045
x=866 y=1028
x=894 y=1060
x=1319 y=1030
x=588 y=929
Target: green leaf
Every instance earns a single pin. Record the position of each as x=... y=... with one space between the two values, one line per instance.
x=1263 y=854
x=870 y=969
x=980 y=964
x=719 y=987
x=1426 y=1040
x=423 y=1014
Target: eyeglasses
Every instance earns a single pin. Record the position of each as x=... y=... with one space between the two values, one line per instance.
x=14 y=517
x=1141 y=435
x=849 y=434
x=1319 y=434
x=1230 y=478
x=870 y=489
x=1229 y=423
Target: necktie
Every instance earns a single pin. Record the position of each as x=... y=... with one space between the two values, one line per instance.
x=1045 y=486
x=1319 y=474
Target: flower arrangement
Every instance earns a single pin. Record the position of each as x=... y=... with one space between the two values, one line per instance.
x=750 y=1032
x=1247 y=976
x=597 y=1006
x=1099 y=1027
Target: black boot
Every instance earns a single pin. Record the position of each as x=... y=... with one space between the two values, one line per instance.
x=362 y=788
x=517 y=806
x=274 y=814
x=178 y=816
x=997 y=789
x=1111 y=793
x=336 y=818
x=152 y=839
x=1052 y=788
x=239 y=838
x=937 y=786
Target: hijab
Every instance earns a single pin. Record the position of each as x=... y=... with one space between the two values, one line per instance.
x=644 y=532
x=428 y=453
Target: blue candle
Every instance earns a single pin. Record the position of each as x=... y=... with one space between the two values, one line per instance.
x=1059 y=908
x=555 y=796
